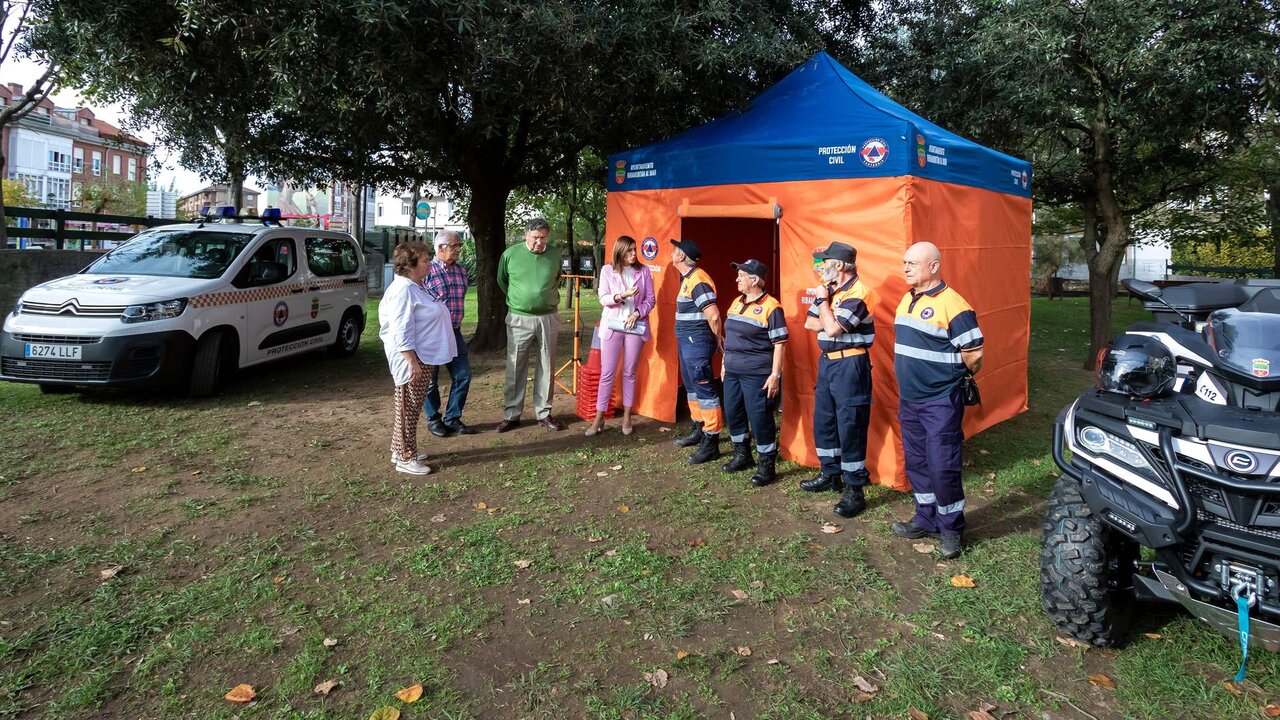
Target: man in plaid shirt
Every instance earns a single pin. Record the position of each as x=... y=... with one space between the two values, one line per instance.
x=448 y=282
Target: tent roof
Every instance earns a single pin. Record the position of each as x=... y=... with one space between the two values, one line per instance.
x=819 y=122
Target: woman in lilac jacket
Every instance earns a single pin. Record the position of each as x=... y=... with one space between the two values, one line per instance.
x=626 y=292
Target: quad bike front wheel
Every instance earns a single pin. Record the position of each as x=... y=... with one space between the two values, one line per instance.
x=1086 y=571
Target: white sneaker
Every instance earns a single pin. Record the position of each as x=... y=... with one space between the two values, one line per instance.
x=420 y=457
x=413 y=467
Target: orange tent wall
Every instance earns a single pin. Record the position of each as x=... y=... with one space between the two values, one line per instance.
x=985 y=238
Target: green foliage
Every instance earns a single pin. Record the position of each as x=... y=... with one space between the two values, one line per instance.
x=17 y=195
x=113 y=196
x=1225 y=254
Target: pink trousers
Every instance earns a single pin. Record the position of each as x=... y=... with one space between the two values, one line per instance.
x=620 y=344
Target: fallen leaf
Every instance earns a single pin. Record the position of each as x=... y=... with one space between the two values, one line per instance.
x=624 y=509
x=610 y=553
x=616 y=467
x=757 y=584
x=991 y=476
x=385 y=713
x=140 y=468
x=524 y=601
x=831 y=528
x=609 y=599
x=410 y=694
x=861 y=697
x=923 y=548
x=480 y=506
x=1102 y=681
x=1072 y=642
x=697 y=542
x=241 y=693
x=865 y=685
x=278 y=579
x=1232 y=688
x=815 y=546
x=961 y=581
x=1271 y=711
x=330 y=642
x=744 y=651
x=492 y=510
x=980 y=715
x=739 y=594
x=657 y=678
x=915 y=714
x=438 y=518
x=255 y=403
x=984 y=452
x=325 y=687
x=772 y=661
x=1152 y=636
x=681 y=654
x=594 y=539
x=664 y=429
x=1036 y=461
x=110 y=572
x=602 y=473
x=197 y=473
x=522 y=564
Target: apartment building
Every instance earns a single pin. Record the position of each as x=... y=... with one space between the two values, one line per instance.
x=215 y=196
x=53 y=150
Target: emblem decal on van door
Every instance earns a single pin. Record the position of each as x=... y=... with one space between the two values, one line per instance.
x=281 y=314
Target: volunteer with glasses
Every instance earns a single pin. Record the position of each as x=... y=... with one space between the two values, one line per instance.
x=448 y=283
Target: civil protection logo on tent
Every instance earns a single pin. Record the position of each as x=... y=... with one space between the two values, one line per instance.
x=874 y=151
x=920 y=150
x=648 y=248
x=620 y=174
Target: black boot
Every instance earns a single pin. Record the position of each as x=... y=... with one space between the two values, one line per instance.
x=708 y=450
x=821 y=483
x=852 y=503
x=741 y=459
x=765 y=472
x=693 y=438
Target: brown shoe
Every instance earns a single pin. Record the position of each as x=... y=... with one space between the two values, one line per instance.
x=506 y=425
x=551 y=423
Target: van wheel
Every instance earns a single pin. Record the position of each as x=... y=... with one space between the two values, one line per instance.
x=1086 y=571
x=57 y=389
x=348 y=335
x=206 y=368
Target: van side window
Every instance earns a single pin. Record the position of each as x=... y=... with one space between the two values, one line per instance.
x=274 y=262
x=328 y=257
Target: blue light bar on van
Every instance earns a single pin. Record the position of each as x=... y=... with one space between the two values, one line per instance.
x=226 y=211
x=272 y=213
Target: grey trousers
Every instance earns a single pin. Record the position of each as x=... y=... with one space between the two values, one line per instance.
x=530 y=335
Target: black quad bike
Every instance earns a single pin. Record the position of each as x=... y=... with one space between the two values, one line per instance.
x=1177 y=450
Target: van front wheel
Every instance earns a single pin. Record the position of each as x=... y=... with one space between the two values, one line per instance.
x=206 y=368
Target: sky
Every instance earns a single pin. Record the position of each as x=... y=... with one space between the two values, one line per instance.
x=163 y=164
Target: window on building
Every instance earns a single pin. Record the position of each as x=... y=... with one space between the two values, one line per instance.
x=57 y=193
x=115 y=164
x=59 y=161
x=77 y=162
x=379 y=209
x=406 y=207
x=97 y=163
x=133 y=169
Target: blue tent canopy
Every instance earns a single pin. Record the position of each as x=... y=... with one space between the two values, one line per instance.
x=819 y=122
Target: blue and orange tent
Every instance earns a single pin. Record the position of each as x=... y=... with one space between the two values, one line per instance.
x=823 y=156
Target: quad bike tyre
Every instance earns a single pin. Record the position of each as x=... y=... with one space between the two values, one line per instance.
x=1086 y=571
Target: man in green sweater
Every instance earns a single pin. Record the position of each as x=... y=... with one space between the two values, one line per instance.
x=530 y=278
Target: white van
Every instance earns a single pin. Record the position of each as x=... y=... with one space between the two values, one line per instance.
x=182 y=304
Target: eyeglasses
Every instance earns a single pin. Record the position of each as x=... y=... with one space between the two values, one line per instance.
x=455 y=247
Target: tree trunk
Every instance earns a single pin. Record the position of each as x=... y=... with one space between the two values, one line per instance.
x=235 y=183
x=1104 y=256
x=4 y=224
x=413 y=212
x=1273 y=216
x=486 y=218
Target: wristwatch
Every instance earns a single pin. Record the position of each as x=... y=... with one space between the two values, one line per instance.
x=819 y=300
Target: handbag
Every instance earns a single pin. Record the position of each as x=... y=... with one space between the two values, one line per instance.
x=969 y=391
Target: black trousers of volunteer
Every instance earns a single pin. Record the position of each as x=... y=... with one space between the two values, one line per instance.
x=746 y=403
x=841 y=414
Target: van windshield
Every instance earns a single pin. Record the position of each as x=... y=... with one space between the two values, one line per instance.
x=173 y=253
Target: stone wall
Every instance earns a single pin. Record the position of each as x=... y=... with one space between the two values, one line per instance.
x=23 y=269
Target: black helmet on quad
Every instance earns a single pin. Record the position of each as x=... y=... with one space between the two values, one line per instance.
x=1137 y=366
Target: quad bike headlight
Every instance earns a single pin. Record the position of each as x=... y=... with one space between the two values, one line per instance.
x=1100 y=442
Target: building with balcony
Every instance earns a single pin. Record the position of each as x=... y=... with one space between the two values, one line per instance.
x=213 y=196
x=53 y=150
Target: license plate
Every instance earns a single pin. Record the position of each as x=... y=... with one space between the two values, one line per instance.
x=52 y=352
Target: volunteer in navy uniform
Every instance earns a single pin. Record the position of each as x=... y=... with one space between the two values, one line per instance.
x=841 y=314
x=698 y=331
x=938 y=342
x=755 y=333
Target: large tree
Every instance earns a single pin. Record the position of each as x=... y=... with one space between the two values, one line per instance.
x=14 y=28
x=496 y=96
x=195 y=72
x=1121 y=105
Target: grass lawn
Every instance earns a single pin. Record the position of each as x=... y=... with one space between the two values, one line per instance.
x=156 y=552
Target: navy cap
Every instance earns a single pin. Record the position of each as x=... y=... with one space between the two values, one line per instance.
x=689 y=248
x=753 y=267
x=837 y=251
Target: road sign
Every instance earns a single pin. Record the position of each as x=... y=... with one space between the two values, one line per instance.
x=422 y=209
x=338 y=221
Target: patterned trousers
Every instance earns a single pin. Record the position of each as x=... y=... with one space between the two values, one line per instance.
x=404 y=425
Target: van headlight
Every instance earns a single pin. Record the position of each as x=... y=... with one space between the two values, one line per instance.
x=154 y=311
x=1100 y=442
